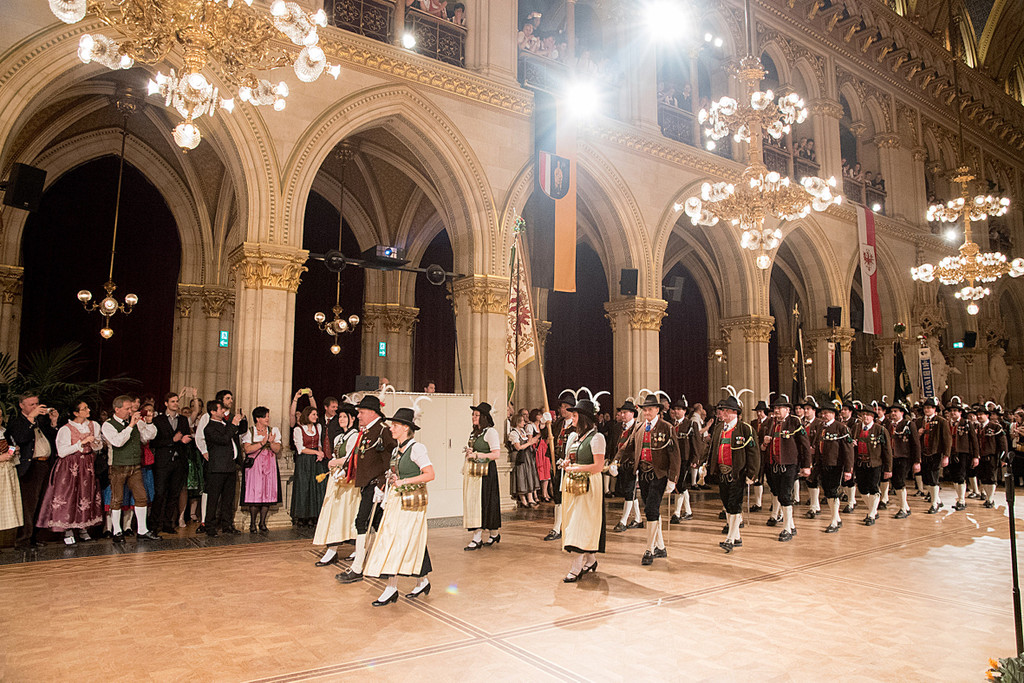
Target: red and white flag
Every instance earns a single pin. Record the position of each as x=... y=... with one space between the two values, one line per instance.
x=869 y=271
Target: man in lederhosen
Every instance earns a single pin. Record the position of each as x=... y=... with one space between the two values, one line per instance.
x=789 y=455
x=625 y=472
x=683 y=428
x=873 y=460
x=935 y=445
x=654 y=450
x=850 y=417
x=734 y=459
x=835 y=460
x=993 y=445
x=760 y=424
x=812 y=424
x=906 y=453
x=371 y=448
x=963 y=452
x=560 y=430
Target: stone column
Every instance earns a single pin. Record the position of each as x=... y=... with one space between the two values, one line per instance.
x=844 y=337
x=11 y=280
x=481 y=304
x=891 y=166
x=198 y=360
x=748 y=354
x=827 y=113
x=491 y=39
x=394 y=325
x=816 y=350
x=266 y=277
x=636 y=324
x=639 y=99
x=214 y=359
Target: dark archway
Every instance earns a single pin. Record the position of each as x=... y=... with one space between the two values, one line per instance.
x=314 y=365
x=66 y=248
x=434 y=346
x=684 y=338
x=579 y=349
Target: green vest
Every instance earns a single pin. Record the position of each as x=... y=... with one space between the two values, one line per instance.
x=407 y=468
x=131 y=452
x=480 y=445
x=584 y=456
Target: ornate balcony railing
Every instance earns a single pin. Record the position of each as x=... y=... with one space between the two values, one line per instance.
x=776 y=159
x=805 y=168
x=371 y=18
x=436 y=38
x=541 y=73
x=676 y=123
x=853 y=190
x=873 y=196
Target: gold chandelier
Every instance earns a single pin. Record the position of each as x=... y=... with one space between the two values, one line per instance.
x=241 y=40
x=760 y=193
x=972 y=265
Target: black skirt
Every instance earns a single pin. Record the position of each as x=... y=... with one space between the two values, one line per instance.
x=490 y=501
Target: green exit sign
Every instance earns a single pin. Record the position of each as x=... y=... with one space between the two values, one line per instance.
x=223 y=339
x=382 y=349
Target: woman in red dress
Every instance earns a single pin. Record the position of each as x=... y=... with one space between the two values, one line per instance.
x=72 y=500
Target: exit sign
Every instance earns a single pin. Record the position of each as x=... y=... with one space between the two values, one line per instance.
x=223 y=339
x=382 y=349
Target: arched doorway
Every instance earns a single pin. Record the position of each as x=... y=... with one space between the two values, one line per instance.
x=66 y=248
x=434 y=346
x=684 y=338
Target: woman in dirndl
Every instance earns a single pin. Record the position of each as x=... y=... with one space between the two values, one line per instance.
x=583 y=530
x=337 y=522
x=10 y=488
x=400 y=546
x=481 y=509
x=308 y=439
x=261 y=483
x=525 y=482
x=72 y=499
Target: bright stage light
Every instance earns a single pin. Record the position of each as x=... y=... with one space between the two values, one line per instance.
x=584 y=99
x=666 y=20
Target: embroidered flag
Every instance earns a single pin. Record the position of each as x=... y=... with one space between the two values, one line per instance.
x=519 y=332
x=553 y=206
x=869 y=271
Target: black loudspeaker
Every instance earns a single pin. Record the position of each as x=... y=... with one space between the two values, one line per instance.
x=367 y=383
x=627 y=281
x=24 y=187
x=970 y=340
x=833 y=316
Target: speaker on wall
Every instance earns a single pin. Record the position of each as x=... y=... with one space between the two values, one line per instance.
x=970 y=339
x=627 y=281
x=24 y=187
x=833 y=316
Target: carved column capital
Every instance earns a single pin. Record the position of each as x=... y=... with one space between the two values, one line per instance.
x=213 y=298
x=268 y=266
x=919 y=153
x=641 y=313
x=485 y=293
x=755 y=328
x=543 y=330
x=826 y=107
x=887 y=140
x=844 y=337
x=392 y=318
x=12 y=279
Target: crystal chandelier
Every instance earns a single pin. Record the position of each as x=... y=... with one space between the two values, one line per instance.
x=108 y=306
x=241 y=40
x=972 y=265
x=339 y=325
x=760 y=193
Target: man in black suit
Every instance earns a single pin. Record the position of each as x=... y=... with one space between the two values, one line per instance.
x=222 y=452
x=170 y=469
x=32 y=426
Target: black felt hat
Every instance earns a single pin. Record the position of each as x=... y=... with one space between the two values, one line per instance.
x=405 y=416
x=370 y=402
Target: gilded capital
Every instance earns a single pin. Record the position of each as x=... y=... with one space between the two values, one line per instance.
x=642 y=313
x=265 y=266
x=392 y=318
x=826 y=107
x=215 y=300
x=484 y=293
x=887 y=140
x=844 y=337
x=755 y=328
x=11 y=281
x=543 y=330
x=920 y=153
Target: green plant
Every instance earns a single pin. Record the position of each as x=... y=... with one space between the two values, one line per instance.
x=1007 y=670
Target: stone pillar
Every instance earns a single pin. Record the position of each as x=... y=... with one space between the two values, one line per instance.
x=747 y=338
x=198 y=360
x=844 y=337
x=491 y=39
x=639 y=104
x=12 y=279
x=266 y=277
x=394 y=325
x=816 y=351
x=636 y=324
x=214 y=359
x=890 y=165
x=827 y=113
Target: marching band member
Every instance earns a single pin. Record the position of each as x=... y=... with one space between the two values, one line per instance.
x=369 y=458
x=992 y=446
x=400 y=546
x=626 y=472
x=873 y=460
x=734 y=458
x=812 y=425
x=481 y=509
x=654 y=451
x=935 y=445
x=584 y=531
x=560 y=430
x=835 y=459
x=761 y=412
x=337 y=521
x=906 y=453
x=963 y=451
x=684 y=433
x=789 y=454
x=850 y=416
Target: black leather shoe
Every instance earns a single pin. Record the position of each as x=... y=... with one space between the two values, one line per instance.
x=212 y=533
x=473 y=545
x=660 y=552
x=743 y=525
x=687 y=516
x=648 y=559
x=493 y=540
x=755 y=508
x=902 y=514
x=150 y=536
x=933 y=510
x=252 y=528
x=201 y=529
x=675 y=520
x=592 y=568
x=738 y=543
x=635 y=525
x=811 y=514
x=832 y=528
x=725 y=529
x=847 y=510
x=263 y=528
x=785 y=536
x=869 y=521
x=350 y=577
x=118 y=538
x=425 y=591
x=168 y=529
x=703 y=487
x=882 y=505
x=381 y=603
x=552 y=536
x=960 y=506
x=232 y=530
x=727 y=546
x=333 y=560
x=988 y=504
x=619 y=528
x=721 y=515
x=772 y=521
x=571 y=578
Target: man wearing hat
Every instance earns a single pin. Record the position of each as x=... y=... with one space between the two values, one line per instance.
x=370 y=448
x=812 y=425
x=835 y=460
x=788 y=454
x=850 y=415
x=626 y=471
x=906 y=453
x=873 y=460
x=688 y=457
x=993 y=445
x=935 y=446
x=560 y=430
x=963 y=452
x=734 y=459
x=760 y=426
x=654 y=450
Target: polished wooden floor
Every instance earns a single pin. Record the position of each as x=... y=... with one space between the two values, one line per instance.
x=922 y=599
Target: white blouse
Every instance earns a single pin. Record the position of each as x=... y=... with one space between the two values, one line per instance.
x=419 y=455
x=250 y=434
x=64 y=445
x=297 y=433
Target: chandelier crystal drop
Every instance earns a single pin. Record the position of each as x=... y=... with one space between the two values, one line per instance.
x=241 y=40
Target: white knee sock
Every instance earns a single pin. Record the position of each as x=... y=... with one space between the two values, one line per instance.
x=636 y=510
x=851 y=494
x=815 y=502
x=679 y=503
x=885 y=492
x=478 y=535
x=796 y=491
x=776 y=508
x=202 y=509
x=873 y=502
x=833 y=506
x=357 y=563
x=686 y=503
x=329 y=555
x=140 y=514
x=787 y=517
x=627 y=507
x=974 y=486
x=660 y=540
x=127 y=522
x=903 y=500
x=115 y=521
x=961 y=493
x=734 y=528
x=919 y=482
x=935 y=496
x=652 y=535
x=557 y=528
x=758 y=494
x=990 y=492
